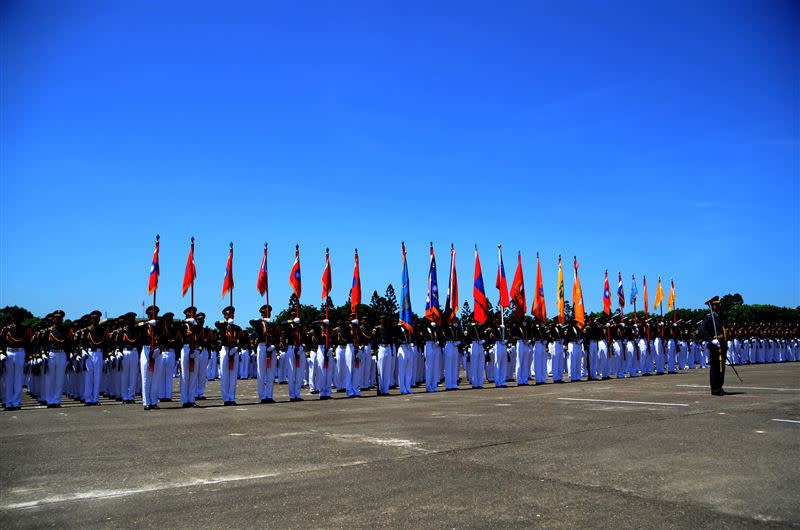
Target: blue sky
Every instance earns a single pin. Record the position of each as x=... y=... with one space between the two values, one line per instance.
x=656 y=138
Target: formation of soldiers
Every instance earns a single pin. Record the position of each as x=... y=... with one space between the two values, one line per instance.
x=123 y=358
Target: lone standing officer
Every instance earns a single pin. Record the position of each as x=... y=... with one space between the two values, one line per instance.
x=712 y=330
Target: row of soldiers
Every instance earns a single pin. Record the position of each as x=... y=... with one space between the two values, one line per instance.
x=124 y=357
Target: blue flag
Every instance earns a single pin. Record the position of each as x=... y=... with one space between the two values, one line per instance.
x=432 y=312
x=634 y=290
x=406 y=317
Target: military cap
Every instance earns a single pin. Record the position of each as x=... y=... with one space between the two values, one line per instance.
x=127 y=316
x=168 y=315
x=152 y=309
x=713 y=300
x=57 y=313
x=263 y=308
x=200 y=315
x=189 y=311
x=95 y=314
x=228 y=310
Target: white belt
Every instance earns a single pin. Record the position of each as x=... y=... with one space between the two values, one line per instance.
x=56 y=351
x=15 y=350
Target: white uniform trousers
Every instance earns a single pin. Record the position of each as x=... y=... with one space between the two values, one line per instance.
x=631 y=361
x=341 y=369
x=672 y=356
x=189 y=371
x=575 y=355
x=228 y=372
x=129 y=373
x=477 y=364
x=592 y=361
x=384 y=367
x=296 y=369
x=202 y=372
x=450 y=358
x=213 y=366
x=167 y=374
x=267 y=364
x=431 y=366
x=645 y=356
x=540 y=362
x=405 y=368
x=523 y=362
x=93 y=375
x=13 y=376
x=500 y=364
x=244 y=363
x=325 y=370
x=352 y=365
x=151 y=374
x=558 y=362
x=54 y=382
x=313 y=369
x=604 y=359
x=659 y=354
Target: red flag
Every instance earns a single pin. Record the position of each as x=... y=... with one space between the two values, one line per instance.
x=326 y=277
x=154 y=271
x=452 y=288
x=501 y=282
x=518 y=290
x=355 y=290
x=294 y=277
x=227 y=283
x=191 y=273
x=606 y=296
x=262 y=283
x=539 y=309
x=481 y=312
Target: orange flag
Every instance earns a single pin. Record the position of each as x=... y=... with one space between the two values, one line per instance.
x=560 y=293
x=577 y=299
x=539 y=310
x=659 y=294
x=644 y=280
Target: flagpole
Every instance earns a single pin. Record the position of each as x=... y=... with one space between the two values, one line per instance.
x=192 y=294
x=266 y=291
x=502 y=316
x=634 y=298
x=153 y=330
x=327 y=327
x=231 y=273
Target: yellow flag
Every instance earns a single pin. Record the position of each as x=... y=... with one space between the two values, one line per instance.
x=560 y=295
x=671 y=299
x=659 y=294
x=577 y=299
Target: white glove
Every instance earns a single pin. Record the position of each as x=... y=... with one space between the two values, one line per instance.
x=715 y=342
x=354 y=321
x=326 y=321
x=2 y=357
x=296 y=320
x=190 y=321
x=151 y=322
x=266 y=319
x=229 y=321
x=271 y=348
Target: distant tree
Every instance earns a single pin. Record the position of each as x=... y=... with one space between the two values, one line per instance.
x=466 y=314
x=25 y=316
x=392 y=307
x=729 y=302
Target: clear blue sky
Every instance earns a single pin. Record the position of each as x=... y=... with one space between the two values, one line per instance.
x=656 y=138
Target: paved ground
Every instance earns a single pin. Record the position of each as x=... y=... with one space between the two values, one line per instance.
x=551 y=455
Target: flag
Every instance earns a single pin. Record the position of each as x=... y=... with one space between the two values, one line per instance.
x=294 y=276
x=452 y=289
x=577 y=299
x=432 y=312
x=539 y=309
x=155 y=270
x=621 y=293
x=659 y=293
x=671 y=298
x=500 y=283
x=560 y=293
x=634 y=290
x=355 y=289
x=227 y=282
x=481 y=312
x=518 y=290
x=262 y=284
x=606 y=296
x=406 y=317
x=646 y=307
x=326 y=277
x=191 y=272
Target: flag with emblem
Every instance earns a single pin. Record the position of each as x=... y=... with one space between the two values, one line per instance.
x=355 y=289
x=539 y=309
x=501 y=283
x=155 y=270
x=518 y=290
x=620 y=294
x=606 y=296
x=406 y=316
x=294 y=276
x=432 y=311
x=481 y=312
x=326 y=277
x=227 y=282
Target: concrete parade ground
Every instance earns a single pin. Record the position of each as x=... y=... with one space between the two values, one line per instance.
x=648 y=452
